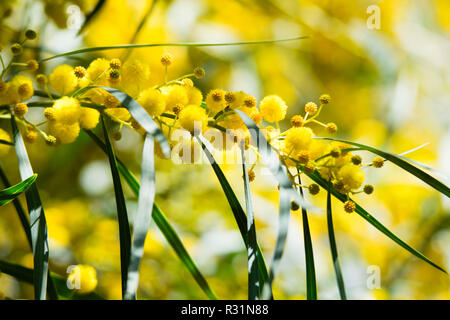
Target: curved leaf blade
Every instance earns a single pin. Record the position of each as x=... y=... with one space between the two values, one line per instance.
x=141 y=116
x=91 y=15
x=333 y=248
x=287 y=192
x=26 y=275
x=374 y=222
x=252 y=249
x=238 y=212
x=9 y=194
x=124 y=226
x=39 y=232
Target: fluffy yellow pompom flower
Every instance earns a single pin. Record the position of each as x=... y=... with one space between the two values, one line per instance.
x=4 y=148
x=83 y=278
x=89 y=118
x=215 y=100
x=193 y=118
x=194 y=96
x=352 y=176
x=175 y=96
x=298 y=139
x=63 y=132
x=135 y=76
x=67 y=110
x=273 y=108
x=63 y=79
x=153 y=101
x=96 y=69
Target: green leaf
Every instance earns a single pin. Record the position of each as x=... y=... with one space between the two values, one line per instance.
x=141 y=116
x=238 y=212
x=287 y=192
x=124 y=226
x=39 y=232
x=142 y=220
x=9 y=194
x=132 y=46
x=139 y=27
x=51 y=291
x=374 y=222
x=91 y=15
x=425 y=177
x=252 y=249
x=163 y=224
x=311 y=287
x=26 y=275
x=333 y=247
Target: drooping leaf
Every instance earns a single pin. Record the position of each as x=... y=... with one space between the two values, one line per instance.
x=163 y=225
x=142 y=219
x=333 y=248
x=132 y=46
x=311 y=287
x=399 y=161
x=142 y=117
x=39 y=232
x=252 y=249
x=19 y=209
x=124 y=226
x=374 y=222
x=91 y=15
x=238 y=212
x=8 y=143
x=9 y=194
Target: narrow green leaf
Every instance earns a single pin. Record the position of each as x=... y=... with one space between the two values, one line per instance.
x=238 y=212
x=139 y=27
x=124 y=226
x=39 y=232
x=163 y=224
x=142 y=220
x=130 y=46
x=311 y=287
x=333 y=247
x=9 y=194
x=252 y=249
x=374 y=222
x=19 y=209
x=60 y=288
x=91 y=15
x=141 y=116
x=425 y=177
